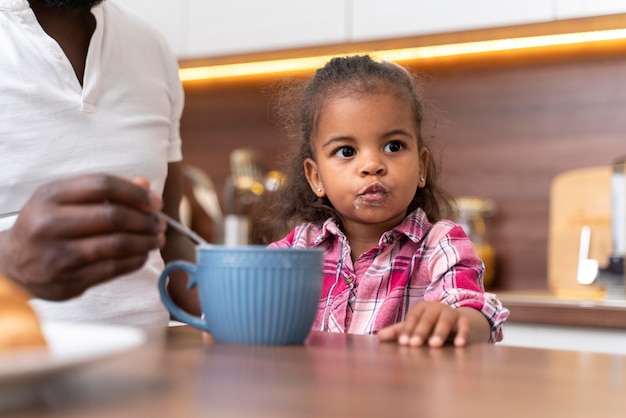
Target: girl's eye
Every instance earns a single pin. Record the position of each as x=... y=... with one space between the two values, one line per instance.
x=394 y=146
x=344 y=152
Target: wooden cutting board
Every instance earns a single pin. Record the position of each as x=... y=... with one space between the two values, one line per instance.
x=577 y=198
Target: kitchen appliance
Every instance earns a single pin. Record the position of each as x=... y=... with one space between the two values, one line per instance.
x=587 y=214
x=611 y=277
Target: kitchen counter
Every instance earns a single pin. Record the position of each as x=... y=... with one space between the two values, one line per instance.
x=544 y=307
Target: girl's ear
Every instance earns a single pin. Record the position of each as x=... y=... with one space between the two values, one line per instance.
x=424 y=154
x=313 y=177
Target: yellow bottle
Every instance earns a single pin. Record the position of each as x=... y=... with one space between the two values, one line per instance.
x=470 y=213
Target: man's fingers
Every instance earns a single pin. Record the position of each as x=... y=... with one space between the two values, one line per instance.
x=98 y=188
x=142 y=181
x=77 y=282
x=75 y=221
x=92 y=250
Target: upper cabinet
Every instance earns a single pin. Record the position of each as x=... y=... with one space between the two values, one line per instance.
x=166 y=16
x=202 y=28
x=375 y=19
x=242 y=26
x=567 y=9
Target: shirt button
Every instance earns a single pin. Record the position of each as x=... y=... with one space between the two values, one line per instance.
x=389 y=239
x=349 y=279
x=56 y=54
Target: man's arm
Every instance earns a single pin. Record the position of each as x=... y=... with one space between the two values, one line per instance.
x=178 y=246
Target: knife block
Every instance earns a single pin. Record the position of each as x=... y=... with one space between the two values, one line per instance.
x=577 y=198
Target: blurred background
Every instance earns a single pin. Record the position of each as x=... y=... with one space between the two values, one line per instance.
x=511 y=119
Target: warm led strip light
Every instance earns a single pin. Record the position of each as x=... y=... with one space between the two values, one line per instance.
x=403 y=54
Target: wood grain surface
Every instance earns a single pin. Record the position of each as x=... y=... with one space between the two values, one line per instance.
x=186 y=374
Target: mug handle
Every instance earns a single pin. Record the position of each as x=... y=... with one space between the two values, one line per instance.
x=169 y=303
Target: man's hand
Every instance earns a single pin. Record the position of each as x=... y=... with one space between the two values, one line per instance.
x=75 y=233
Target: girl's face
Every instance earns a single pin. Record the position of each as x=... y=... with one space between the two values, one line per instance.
x=367 y=159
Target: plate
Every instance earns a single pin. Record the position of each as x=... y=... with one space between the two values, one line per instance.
x=69 y=345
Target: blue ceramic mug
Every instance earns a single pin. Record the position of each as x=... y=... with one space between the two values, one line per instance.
x=251 y=294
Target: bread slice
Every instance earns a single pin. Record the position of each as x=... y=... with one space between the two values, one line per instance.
x=19 y=324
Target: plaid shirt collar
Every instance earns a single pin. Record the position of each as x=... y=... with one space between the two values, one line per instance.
x=414 y=226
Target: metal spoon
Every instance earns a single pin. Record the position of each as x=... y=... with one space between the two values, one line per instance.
x=170 y=221
x=9 y=214
x=182 y=229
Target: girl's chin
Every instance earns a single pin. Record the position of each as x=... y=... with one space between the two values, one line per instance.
x=376 y=215
x=364 y=202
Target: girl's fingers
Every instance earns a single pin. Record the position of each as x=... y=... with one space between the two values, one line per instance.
x=443 y=328
x=424 y=327
x=390 y=333
x=462 y=332
x=431 y=323
x=402 y=331
x=413 y=318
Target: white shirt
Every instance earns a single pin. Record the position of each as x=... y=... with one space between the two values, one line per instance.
x=124 y=120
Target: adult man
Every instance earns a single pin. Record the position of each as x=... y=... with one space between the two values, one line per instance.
x=90 y=100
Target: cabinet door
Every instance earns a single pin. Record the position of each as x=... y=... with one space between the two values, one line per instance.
x=165 y=16
x=241 y=26
x=580 y=8
x=376 y=19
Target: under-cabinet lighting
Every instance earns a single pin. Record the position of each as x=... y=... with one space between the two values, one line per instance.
x=279 y=66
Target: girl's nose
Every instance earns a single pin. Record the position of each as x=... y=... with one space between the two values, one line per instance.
x=373 y=166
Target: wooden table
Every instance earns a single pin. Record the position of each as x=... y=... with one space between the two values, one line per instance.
x=180 y=372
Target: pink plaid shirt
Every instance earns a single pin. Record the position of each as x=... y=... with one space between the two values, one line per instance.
x=415 y=261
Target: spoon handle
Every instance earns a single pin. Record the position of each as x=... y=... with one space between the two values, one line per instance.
x=170 y=221
x=182 y=229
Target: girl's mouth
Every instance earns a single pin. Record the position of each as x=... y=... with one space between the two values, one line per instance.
x=373 y=194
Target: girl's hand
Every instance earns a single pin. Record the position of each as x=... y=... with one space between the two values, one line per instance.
x=436 y=323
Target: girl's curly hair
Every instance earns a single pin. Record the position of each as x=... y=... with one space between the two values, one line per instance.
x=298 y=106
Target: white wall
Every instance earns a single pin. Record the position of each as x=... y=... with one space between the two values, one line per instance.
x=197 y=28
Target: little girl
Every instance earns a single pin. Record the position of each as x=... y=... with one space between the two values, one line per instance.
x=362 y=187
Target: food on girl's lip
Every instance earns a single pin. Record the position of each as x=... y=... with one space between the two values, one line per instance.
x=19 y=325
x=373 y=194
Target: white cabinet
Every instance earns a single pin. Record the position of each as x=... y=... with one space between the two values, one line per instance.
x=567 y=9
x=375 y=19
x=199 y=28
x=203 y=28
x=166 y=16
x=242 y=26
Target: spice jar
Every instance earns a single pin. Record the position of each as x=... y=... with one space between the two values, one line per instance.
x=471 y=213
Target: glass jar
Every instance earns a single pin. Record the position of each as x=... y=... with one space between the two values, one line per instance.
x=471 y=213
